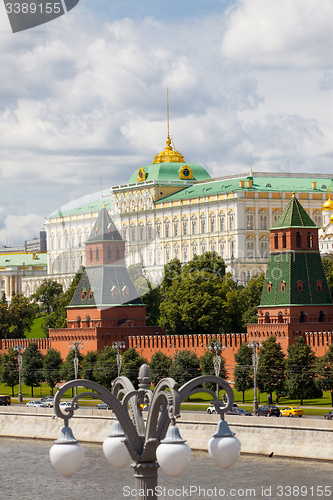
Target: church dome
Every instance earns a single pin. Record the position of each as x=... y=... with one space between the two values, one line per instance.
x=328 y=204
x=331 y=218
x=169 y=154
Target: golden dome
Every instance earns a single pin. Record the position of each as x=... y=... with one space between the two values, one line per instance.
x=169 y=154
x=328 y=204
x=331 y=218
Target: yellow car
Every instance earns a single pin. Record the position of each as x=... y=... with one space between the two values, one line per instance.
x=292 y=411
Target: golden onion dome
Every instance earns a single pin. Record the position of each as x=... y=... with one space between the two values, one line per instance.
x=169 y=154
x=331 y=218
x=328 y=204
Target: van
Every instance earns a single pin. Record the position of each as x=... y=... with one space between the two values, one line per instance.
x=5 y=400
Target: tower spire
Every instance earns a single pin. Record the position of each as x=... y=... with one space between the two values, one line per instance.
x=168 y=120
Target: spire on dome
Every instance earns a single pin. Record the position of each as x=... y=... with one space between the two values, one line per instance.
x=169 y=154
x=328 y=204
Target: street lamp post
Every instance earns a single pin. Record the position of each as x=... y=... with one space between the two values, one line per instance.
x=217 y=346
x=255 y=345
x=76 y=346
x=20 y=349
x=153 y=443
x=118 y=345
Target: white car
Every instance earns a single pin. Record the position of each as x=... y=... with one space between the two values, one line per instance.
x=68 y=404
x=36 y=404
x=211 y=409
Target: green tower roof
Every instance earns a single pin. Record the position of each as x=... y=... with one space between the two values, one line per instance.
x=294 y=215
x=169 y=171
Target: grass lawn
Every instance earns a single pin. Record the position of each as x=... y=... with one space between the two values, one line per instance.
x=36 y=331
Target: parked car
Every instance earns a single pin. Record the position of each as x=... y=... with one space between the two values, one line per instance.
x=211 y=409
x=103 y=406
x=268 y=411
x=36 y=404
x=292 y=411
x=48 y=401
x=68 y=404
x=239 y=411
x=329 y=415
x=4 y=401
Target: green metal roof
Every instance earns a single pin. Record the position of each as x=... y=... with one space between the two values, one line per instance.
x=292 y=267
x=168 y=171
x=94 y=206
x=270 y=184
x=294 y=215
x=20 y=259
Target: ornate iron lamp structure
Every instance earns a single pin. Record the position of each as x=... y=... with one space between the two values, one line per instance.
x=151 y=444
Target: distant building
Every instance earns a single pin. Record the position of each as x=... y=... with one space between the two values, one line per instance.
x=36 y=244
x=17 y=269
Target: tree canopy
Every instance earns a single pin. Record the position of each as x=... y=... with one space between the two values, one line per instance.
x=243 y=373
x=185 y=366
x=300 y=369
x=52 y=363
x=22 y=314
x=324 y=370
x=271 y=366
x=159 y=366
x=32 y=366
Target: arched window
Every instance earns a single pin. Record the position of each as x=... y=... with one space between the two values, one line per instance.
x=267 y=318
x=302 y=317
x=88 y=321
x=90 y=293
x=284 y=240
x=321 y=318
x=78 y=322
x=109 y=253
x=117 y=253
x=319 y=286
x=90 y=254
x=300 y=286
x=310 y=240
x=269 y=287
x=280 y=317
x=83 y=293
x=276 y=240
x=298 y=240
x=283 y=286
x=97 y=253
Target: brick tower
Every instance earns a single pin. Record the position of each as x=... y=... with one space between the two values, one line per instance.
x=106 y=305
x=296 y=299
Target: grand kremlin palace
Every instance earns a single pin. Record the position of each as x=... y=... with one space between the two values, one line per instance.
x=175 y=209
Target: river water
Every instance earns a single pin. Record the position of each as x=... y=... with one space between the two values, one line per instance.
x=26 y=473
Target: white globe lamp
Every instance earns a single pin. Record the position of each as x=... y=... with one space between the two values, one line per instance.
x=173 y=455
x=66 y=454
x=224 y=448
x=114 y=447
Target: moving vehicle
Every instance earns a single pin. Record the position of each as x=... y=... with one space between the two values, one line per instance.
x=103 y=406
x=267 y=411
x=5 y=400
x=48 y=401
x=36 y=404
x=292 y=411
x=239 y=411
x=329 y=415
x=68 y=404
x=211 y=409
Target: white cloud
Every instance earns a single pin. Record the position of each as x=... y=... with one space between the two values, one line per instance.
x=280 y=33
x=26 y=226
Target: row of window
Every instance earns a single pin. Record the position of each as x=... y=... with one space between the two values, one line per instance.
x=299 y=240
x=110 y=254
x=299 y=284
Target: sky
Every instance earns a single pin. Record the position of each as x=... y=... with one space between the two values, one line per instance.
x=84 y=97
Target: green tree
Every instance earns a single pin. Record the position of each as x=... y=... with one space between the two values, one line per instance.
x=197 y=298
x=152 y=299
x=48 y=293
x=88 y=365
x=159 y=366
x=300 y=369
x=185 y=366
x=251 y=297
x=58 y=317
x=106 y=369
x=243 y=374
x=22 y=314
x=136 y=273
x=67 y=370
x=131 y=362
x=324 y=370
x=9 y=369
x=4 y=320
x=32 y=367
x=328 y=268
x=52 y=363
x=271 y=366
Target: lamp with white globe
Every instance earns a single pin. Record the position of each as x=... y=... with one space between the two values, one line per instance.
x=152 y=442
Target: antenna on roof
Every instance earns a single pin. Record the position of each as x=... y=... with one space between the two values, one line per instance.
x=168 y=112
